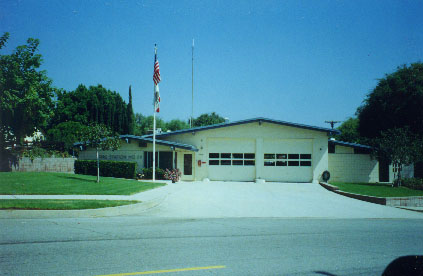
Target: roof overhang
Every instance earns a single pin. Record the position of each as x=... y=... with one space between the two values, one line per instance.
x=259 y=120
x=150 y=140
x=351 y=145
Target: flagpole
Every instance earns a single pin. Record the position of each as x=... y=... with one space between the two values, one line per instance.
x=154 y=122
x=192 y=86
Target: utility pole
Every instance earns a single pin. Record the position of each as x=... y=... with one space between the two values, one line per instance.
x=332 y=123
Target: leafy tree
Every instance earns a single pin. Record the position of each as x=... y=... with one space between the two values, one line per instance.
x=99 y=137
x=349 y=132
x=208 y=119
x=144 y=124
x=400 y=147
x=95 y=104
x=176 y=125
x=66 y=132
x=3 y=39
x=25 y=92
x=396 y=102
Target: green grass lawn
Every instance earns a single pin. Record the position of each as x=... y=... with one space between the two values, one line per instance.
x=375 y=189
x=60 y=204
x=43 y=183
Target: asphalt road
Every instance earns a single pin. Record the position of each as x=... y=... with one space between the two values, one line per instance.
x=229 y=246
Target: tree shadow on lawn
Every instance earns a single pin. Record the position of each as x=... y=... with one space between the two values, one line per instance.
x=77 y=178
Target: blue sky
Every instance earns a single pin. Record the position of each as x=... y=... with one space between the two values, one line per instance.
x=298 y=61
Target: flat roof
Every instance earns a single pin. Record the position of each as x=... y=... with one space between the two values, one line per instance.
x=259 y=119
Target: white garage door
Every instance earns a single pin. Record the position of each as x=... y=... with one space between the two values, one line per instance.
x=231 y=159
x=287 y=160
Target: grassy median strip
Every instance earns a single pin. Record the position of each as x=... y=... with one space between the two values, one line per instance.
x=45 y=183
x=60 y=204
x=377 y=189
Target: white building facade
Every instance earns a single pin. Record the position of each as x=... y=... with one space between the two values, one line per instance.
x=248 y=150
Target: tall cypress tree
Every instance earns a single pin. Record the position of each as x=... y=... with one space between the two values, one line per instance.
x=130 y=114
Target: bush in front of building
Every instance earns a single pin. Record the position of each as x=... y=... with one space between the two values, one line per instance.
x=413 y=183
x=120 y=169
x=148 y=173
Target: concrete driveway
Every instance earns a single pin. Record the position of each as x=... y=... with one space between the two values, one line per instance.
x=218 y=199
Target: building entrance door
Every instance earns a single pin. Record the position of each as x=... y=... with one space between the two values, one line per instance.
x=383 y=171
x=187 y=164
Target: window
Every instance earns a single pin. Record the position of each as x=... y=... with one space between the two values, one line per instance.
x=213 y=162
x=293 y=156
x=225 y=155
x=281 y=156
x=305 y=163
x=232 y=159
x=249 y=156
x=293 y=163
x=283 y=160
x=269 y=156
x=225 y=162
x=249 y=162
x=305 y=156
x=281 y=163
x=213 y=155
x=269 y=163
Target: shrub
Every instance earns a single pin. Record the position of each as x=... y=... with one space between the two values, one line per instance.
x=173 y=174
x=413 y=183
x=120 y=169
x=148 y=173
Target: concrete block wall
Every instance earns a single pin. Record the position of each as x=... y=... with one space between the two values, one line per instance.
x=353 y=168
x=53 y=164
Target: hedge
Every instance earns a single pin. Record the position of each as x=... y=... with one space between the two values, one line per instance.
x=413 y=183
x=120 y=169
x=148 y=173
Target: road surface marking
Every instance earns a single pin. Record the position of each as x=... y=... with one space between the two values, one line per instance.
x=166 y=270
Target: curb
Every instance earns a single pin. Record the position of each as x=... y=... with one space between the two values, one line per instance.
x=86 y=213
x=412 y=201
x=371 y=199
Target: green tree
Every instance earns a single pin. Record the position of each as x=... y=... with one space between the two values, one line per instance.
x=400 y=147
x=130 y=114
x=396 y=102
x=99 y=137
x=25 y=92
x=66 y=132
x=95 y=104
x=349 y=132
x=176 y=124
x=144 y=124
x=207 y=119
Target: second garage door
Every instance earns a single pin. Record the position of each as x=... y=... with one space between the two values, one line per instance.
x=287 y=160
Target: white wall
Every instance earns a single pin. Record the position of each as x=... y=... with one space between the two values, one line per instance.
x=258 y=133
x=345 y=167
x=131 y=152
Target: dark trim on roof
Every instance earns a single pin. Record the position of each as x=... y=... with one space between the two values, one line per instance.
x=347 y=144
x=150 y=140
x=259 y=120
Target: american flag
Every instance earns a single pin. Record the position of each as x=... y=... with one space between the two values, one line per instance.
x=156 y=79
x=156 y=75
